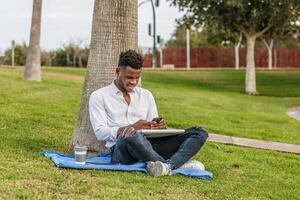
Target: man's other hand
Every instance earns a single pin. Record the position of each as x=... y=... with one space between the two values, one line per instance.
x=141 y=124
x=129 y=131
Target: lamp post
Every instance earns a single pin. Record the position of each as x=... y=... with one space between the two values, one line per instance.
x=154 y=51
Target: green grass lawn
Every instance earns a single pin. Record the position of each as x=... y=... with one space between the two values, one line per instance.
x=38 y=116
x=216 y=100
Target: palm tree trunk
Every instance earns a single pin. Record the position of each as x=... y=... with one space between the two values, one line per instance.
x=114 y=30
x=250 y=67
x=33 y=59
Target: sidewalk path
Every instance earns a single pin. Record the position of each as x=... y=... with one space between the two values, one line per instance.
x=260 y=144
x=294 y=112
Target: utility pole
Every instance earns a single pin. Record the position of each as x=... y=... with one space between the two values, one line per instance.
x=154 y=50
x=13 y=45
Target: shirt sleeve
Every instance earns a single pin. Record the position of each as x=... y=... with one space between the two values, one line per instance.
x=98 y=118
x=152 y=110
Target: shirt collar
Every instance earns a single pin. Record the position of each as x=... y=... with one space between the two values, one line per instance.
x=116 y=89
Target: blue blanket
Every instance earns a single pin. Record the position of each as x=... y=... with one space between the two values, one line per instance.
x=102 y=162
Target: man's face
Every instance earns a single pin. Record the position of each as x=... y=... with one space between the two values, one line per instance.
x=128 y=77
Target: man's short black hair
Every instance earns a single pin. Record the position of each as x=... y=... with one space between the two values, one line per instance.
x=131 y=58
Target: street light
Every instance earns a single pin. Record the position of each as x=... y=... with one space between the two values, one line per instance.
x=154 y=52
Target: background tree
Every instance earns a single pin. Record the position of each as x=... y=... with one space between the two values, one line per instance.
x=114 y=30
x=288 y=29
x=33 y=59
x=200 y=36
x=83 y=54
x=70 y=50
x=251 y=18
x=20 y=55
x=207 y=37
x=233 y=39
x=290 y=42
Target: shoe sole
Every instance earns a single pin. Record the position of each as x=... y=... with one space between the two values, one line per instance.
x=155 y=169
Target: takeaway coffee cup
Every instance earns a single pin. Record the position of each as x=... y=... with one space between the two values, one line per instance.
x=80 y=154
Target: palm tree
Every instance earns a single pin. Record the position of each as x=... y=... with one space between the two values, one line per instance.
x=114 y=30
x=33 y=59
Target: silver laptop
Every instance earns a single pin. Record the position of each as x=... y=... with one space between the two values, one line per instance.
x=155 y=133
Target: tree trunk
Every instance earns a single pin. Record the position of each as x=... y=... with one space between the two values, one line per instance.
x=33 y=59
x=114 y=30
x=80 y=61
x=13 y=44
x=237 y=56
x=250 y=67
x=237 y=52
x=74 y=60
x=68 y=59
x=50 y=62
x=270 y=56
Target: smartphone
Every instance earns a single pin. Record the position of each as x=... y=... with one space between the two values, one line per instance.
x=157 y=119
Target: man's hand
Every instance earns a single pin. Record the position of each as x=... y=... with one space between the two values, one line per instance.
x=142 y=124
x=155 y=124
x=131 y=129
x=126 y=132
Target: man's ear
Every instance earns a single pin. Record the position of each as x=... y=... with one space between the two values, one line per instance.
x=118 y=71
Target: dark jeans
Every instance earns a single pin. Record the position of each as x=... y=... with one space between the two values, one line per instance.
x=175 y=150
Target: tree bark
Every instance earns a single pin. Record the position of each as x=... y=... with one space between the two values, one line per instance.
x=236 y=56
x=237 y=52
x=33 y=59
x=114 y=30
x=13 y=44
x=270 y=53
x=250 y=80
x=68 y=59
x=74 y=60
x=251 y=36
x=80 y=61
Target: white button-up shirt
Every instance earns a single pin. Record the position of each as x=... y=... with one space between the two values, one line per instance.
x=109 y=111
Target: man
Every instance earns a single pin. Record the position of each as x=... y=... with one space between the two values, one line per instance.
x=118 y=110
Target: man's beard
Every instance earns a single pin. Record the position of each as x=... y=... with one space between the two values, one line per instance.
x=123 y=86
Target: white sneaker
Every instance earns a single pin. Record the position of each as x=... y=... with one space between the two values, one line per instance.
x=158 y=168
x=193 y=164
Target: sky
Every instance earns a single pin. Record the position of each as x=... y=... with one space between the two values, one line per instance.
x=66 y=20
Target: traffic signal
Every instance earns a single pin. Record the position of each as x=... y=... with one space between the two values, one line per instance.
x=156 y=3
x=158 y=39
